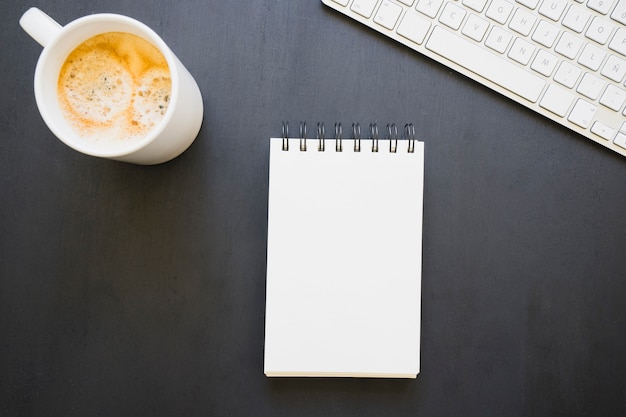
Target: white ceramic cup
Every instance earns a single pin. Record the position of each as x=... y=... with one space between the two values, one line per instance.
x=168 y=139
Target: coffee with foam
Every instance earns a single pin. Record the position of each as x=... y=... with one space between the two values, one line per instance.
x=115 y=86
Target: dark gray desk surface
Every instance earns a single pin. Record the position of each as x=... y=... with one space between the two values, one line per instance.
x=130 y=290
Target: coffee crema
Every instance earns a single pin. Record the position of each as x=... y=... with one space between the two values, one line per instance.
x=114 y=86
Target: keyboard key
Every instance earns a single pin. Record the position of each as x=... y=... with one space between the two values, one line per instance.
x=475 y=28
x=582 y=114
x=620 y=140
x=521 y=51
x=591 y=57
x=576 y=18
x=567 y=74
x=615 y=68
x=478 y=60
x=619 y=13
x=544 y=63
x=556 y=99
x=613 y=98
x=545 y=34
x=599 y=30
x=602 y=130
x=499 y=10
x=553 y=9
x=388 y=14
x=364 y=7
x=618 y=43
x=590 y=86
x=477 y=5
x=429 y=7
x=522 y=22
x=600 y=6
x=498 y=39
x=452 y=16
x=531 y=4
x=568 y=45
x=414 y=27
x=344 y=3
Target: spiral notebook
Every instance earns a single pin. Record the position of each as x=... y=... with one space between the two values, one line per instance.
x=344 y=256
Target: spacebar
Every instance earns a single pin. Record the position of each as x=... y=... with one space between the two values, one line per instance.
x=484 y=63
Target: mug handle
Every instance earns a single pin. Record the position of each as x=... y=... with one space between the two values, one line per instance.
x=40 y=26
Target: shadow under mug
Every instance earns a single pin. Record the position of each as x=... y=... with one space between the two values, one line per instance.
x=168 y=139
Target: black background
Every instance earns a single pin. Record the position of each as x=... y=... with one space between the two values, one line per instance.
x=134 y=290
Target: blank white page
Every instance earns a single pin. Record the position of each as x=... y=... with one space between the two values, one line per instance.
x=344 y=260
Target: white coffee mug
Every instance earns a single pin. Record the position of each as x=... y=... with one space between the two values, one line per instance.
x=168 y=139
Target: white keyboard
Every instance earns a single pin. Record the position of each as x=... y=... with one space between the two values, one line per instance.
x=564 y=59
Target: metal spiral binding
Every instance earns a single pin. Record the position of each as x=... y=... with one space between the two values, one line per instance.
x=356 y=135
x=285 y=136
x=409 y=134
x=374 y=136
x=303 y=136
x=392 y=135
x=320 y=137
x=338 y=139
